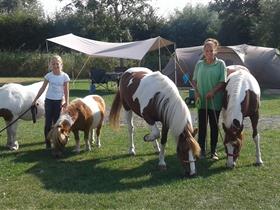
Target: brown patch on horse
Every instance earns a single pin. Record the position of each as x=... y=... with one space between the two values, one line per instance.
x=6 y=114
x=131 y=88
x=250 y=105
x=121 y=98
x=225 y=100
x=81 y=115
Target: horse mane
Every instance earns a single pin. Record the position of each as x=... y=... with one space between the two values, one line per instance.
x=174 y=111
x=238 y=83
x=70 y=113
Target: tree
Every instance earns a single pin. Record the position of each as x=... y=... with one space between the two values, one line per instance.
x=29 y=6
x=238 y=20
x=191 y=26
x=268 y=28
x=111 y=20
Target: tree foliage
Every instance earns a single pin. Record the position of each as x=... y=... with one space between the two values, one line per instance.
x=268 y=28
x=23 y=24
x=238 y=18
x=191 y=26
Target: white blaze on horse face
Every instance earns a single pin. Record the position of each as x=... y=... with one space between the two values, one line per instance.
x=238 y=83
x=258 y=150
x=192 y=162
x=230 y=162
x=65 y=117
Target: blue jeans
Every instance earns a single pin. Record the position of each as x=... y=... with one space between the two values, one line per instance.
x=52 y=112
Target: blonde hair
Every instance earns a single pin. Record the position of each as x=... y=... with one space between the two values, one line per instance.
x=212 y=41
x=56 y=58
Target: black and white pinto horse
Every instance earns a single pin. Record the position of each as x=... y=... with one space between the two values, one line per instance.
x=242 y=99
x=154 y=97
x=15 y=100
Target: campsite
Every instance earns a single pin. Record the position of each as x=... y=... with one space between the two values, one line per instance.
x=108 y=178
x=131 y=57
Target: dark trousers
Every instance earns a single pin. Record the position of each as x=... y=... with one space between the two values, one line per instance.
x=213 y=117
x=52 y=112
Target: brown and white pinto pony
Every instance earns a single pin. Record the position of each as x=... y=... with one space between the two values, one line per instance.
x=154 y=97
x=82 y=114
x=242 y=99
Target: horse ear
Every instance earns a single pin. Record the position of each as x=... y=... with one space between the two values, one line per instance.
x=195 y=131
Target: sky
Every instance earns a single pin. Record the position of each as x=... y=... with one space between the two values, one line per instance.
x=164 y=7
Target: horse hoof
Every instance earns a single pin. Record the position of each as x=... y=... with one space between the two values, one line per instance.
x=147 y=139
x=190 y=176
x=77 y=151
x=162 y=167
x=131 y=152
x=258 y=164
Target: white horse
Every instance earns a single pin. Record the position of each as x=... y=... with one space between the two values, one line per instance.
x=15 y=100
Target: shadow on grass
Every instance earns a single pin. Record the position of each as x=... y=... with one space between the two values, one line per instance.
x=101 y=175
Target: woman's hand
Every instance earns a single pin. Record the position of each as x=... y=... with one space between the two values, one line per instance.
x=64 y=105
x=209 y=95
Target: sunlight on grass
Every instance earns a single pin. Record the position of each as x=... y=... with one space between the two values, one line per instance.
x=108 y=178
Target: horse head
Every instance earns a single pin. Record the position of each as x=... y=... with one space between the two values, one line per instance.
x=233 y=142
x=187 y=150
x=59 y=136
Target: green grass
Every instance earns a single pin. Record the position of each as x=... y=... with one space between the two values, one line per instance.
x=107 y=178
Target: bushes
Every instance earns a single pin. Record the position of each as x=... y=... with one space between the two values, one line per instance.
x=35 y=64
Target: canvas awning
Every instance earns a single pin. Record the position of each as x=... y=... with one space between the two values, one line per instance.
x=128 y=50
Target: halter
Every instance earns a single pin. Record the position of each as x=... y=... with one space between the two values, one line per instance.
x=231 y=154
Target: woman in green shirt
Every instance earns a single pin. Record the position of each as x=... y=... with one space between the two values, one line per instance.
x=209 y=82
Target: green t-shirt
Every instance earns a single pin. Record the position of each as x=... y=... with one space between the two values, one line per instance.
x=207 y=76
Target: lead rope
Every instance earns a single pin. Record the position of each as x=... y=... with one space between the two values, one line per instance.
x=33 y=115
x=219 y=130
x=206 y=122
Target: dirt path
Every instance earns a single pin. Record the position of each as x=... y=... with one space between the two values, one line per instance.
x=267 y=122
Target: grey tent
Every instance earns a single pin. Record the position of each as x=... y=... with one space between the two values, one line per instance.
x=263 y=63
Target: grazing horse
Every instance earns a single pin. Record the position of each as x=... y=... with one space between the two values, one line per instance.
x=154 y=97
x=242 y=99
x=85 y=114
x=15 y=99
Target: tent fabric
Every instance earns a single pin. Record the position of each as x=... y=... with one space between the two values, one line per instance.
x=128 y=50
x=263 y=63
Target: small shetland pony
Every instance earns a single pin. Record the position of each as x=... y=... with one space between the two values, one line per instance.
x=154 y=97
x=242 y=99
x=15 y=99
x=86 y=114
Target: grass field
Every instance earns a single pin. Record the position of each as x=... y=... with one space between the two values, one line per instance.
x=107 y=178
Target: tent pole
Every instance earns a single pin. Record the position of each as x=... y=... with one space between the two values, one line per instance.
x=159 y=60
x=175 y=66
x=47 y=46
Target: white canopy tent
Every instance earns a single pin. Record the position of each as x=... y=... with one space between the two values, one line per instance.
x=128 y=50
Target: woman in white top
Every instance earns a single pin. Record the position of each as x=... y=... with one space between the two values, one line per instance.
x=58 y=90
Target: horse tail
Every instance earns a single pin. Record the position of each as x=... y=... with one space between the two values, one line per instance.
x=114 y=116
